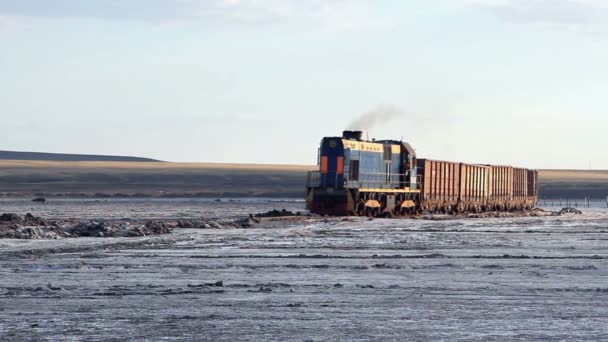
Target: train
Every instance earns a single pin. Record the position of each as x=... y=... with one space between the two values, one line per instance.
x=384 y=178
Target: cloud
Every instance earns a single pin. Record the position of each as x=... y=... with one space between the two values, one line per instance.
x=149 y=10
x=323 y=14
x=575 y=15
x=9 y=23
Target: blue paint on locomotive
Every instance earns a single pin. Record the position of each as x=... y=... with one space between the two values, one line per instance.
x=332 y=148
x=371 y=175
x=374 y=171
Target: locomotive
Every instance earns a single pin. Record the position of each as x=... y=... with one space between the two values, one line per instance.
x=384 y=178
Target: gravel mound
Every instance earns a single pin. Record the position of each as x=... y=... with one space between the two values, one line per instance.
x=569 y=211
x=277 y=213
x=247 y=222
x=13 y=226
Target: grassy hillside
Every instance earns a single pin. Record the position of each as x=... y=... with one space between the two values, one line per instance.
x=573 y=183
x=104 y=178
x=48 y=178
x=12 y=155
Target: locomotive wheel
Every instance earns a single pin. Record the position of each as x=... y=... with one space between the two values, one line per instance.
x=374 y=212
x=390 y=213
x=371 y=212
x=360 y=209
x=397 y=212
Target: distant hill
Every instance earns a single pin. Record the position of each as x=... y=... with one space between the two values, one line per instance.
x=12 y=155
x=574 y=184
x=154 y=179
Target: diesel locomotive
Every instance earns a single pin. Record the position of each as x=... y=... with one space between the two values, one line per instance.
x=384 y=178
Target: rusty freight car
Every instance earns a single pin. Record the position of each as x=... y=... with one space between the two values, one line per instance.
x=474 y=187
x=501 y=187
x=440 y=185
x=451 y=187
x=533 y=185
x=512 y=188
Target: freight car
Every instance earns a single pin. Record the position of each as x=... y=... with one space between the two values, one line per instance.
x=384 y=178
x=450 y=187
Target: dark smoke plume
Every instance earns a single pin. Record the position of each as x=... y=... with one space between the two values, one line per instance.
x=376 y=117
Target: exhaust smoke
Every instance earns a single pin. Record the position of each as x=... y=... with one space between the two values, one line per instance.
x=377 y=117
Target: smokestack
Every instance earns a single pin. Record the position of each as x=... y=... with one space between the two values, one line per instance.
x=353 y=135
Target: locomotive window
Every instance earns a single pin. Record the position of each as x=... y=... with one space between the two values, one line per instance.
x=354 y=170
x=388 y=152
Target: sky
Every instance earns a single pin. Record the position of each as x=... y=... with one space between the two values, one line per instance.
x=521 y=82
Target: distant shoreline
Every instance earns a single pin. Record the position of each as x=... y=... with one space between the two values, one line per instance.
x=113 y=179
x=209 y=196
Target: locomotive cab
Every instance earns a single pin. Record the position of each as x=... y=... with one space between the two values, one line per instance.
x=331 y=163
x=326 y=193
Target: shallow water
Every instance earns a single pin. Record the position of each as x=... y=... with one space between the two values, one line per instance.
x=147 y=208
x=479 y=279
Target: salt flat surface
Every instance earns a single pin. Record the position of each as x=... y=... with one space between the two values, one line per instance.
x=531 y=278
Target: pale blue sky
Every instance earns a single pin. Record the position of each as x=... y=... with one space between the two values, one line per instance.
x=520 y=82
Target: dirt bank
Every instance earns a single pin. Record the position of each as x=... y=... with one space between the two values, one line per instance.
x=13 y=226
